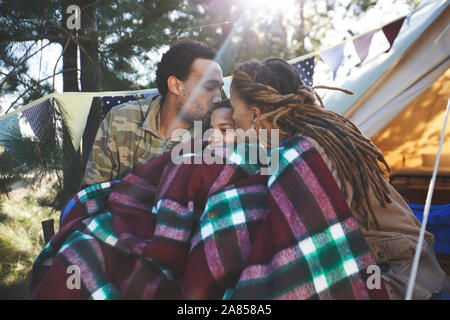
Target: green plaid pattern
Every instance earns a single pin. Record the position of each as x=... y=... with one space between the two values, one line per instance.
x=101 y=228
x=164 y=235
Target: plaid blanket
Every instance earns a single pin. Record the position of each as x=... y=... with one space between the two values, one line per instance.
x=217 y=231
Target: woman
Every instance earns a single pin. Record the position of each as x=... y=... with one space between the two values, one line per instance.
x=272 y=95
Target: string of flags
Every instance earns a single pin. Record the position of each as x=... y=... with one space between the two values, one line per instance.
x=75 y=106
x=41 y=109
x=333 y=56
x=306 y=70
x=112 y=101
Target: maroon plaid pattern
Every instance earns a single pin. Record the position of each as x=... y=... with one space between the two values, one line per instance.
x=211 y=232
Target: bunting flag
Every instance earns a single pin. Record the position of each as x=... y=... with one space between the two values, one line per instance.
x=306 y=70
x=110 y=102
x=40 y=118
x=148 y=95
x=333 y=57
x=391 y=31
x=76 y=107
x=362 y=45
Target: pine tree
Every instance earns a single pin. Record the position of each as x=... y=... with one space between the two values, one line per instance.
x=112 y=34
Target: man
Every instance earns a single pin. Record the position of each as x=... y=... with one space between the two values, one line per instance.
x=189 y=82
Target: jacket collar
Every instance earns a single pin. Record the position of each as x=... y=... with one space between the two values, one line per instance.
x=150 y=121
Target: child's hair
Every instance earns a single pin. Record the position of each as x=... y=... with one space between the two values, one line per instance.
x=222 y=104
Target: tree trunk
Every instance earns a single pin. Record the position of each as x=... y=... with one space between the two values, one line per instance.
x=70 y=59
x=90 y=74
x=71 y=158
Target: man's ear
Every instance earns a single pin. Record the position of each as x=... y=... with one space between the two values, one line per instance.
x=175 y=85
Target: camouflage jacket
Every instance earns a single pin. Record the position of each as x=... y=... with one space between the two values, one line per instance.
x=126 y=139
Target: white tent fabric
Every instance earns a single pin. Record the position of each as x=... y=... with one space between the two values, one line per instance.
x=388 y=112
x=386 y=85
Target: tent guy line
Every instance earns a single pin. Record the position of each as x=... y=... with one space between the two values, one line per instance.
x=426 y=212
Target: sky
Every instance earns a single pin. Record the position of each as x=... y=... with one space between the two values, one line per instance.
x=42 y=65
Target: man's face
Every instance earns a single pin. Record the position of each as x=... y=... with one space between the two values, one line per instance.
x=201 y=89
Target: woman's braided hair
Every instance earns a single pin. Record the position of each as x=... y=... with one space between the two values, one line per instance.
x=285 y=101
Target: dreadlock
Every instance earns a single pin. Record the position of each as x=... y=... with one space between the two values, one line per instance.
x=285 y=101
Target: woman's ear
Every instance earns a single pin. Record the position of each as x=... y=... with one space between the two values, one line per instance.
x=256 y=112
x=175 y=85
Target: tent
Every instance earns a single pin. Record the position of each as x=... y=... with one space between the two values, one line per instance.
x=401 y=96
x=400 y=103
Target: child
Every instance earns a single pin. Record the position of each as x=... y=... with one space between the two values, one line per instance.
x=222 y=121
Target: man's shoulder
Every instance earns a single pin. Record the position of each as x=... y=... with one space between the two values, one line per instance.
x=129 y=117
x=132 y=110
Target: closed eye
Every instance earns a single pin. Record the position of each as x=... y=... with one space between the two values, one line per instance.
x=212 y=85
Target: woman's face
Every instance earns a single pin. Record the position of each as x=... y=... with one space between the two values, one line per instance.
x=242 y=114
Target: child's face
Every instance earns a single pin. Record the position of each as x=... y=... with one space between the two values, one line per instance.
x=221 y=120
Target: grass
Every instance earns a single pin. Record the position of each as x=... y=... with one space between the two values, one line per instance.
x=21 y=237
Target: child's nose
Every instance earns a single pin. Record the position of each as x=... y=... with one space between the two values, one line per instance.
x=215 y=137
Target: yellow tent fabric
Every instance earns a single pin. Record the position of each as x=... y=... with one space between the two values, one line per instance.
x=412 y=138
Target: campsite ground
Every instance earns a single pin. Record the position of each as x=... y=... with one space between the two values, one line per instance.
x=21 y=237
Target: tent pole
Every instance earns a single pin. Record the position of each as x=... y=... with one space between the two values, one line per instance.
x=412 y=277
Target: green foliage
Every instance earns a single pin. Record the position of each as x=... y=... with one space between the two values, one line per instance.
x=125 y=30
x=115 y=33
x=10 y=172
x=31 y=158
x=23 y=24
x=246 y=38
x=128 y=30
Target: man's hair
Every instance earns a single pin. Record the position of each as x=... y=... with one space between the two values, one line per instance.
x=178 y=61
